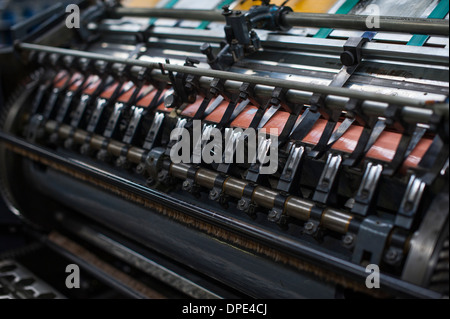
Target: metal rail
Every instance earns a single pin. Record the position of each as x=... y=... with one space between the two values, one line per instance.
x=440 y=108
x=318 y=20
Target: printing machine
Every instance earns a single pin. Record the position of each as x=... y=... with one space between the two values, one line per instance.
x=353 y=96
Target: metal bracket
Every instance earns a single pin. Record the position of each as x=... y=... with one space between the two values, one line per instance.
x=111 y=125
x=253 y=173
x=182 y=94
x=246 y=203
x=241 y=39
x=133 y=124
x=410 y=202
x=327 y=179
x=50 y=105
x=291 y=169
x=95 y=118
x=189 y=185
x=352 y=49
x=276 y=214
x=79 y=111
x=39 y=96
x=231 y=139
x=154 y=130
x=217 y=193
x=367 y=189
x=371 y=240
x=35 y=130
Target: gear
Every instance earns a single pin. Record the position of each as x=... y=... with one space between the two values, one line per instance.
x=439 y=279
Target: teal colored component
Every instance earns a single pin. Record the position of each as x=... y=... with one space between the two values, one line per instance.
x=169 y=5
x=439 y=12
x=204 y=24
x=344 y=9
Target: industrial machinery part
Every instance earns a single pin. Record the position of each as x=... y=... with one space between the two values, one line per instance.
x=355 y=118
x=16 y=282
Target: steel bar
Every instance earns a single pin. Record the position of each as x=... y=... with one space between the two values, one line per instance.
x=440 y=108
x=358 y=22
x=317 y=20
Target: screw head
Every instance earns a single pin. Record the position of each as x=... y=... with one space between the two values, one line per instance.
x=186 y=185
x=150 y=181
x=391 y=254
x=273 y=216
x=162 y=175
x=242 y=204
x=101 y=155
x=309 y=226
x=140 y=168
x=120 y=162
x=213 y=194
x=84 y=149
x=347 y=240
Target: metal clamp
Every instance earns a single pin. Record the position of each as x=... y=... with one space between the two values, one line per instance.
x=366 y=191
x=189 y=185
x=290 y=173
x=371 y=240
x=217 y=193
x=133 y=124
x=352 y=49
x=246 y=203
x=410 y=202
x=276 y=214
x=327 y=179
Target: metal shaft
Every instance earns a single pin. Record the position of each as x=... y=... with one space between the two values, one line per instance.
x=318 y=20
x=295 y=207
x=359 y=22
x=440 y=108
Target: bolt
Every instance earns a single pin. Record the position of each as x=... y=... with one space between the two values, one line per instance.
x=140 y=168
x=186 y=185
x=162 y=176
x=283 y=222
x=84 y=149
x=309 y=226
x=242 y=204
x=391 y=255
x=226 y=10
x=102 y=155
x=120 y=162
x=213 y=194
x=348 y=240
x=272 y=215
